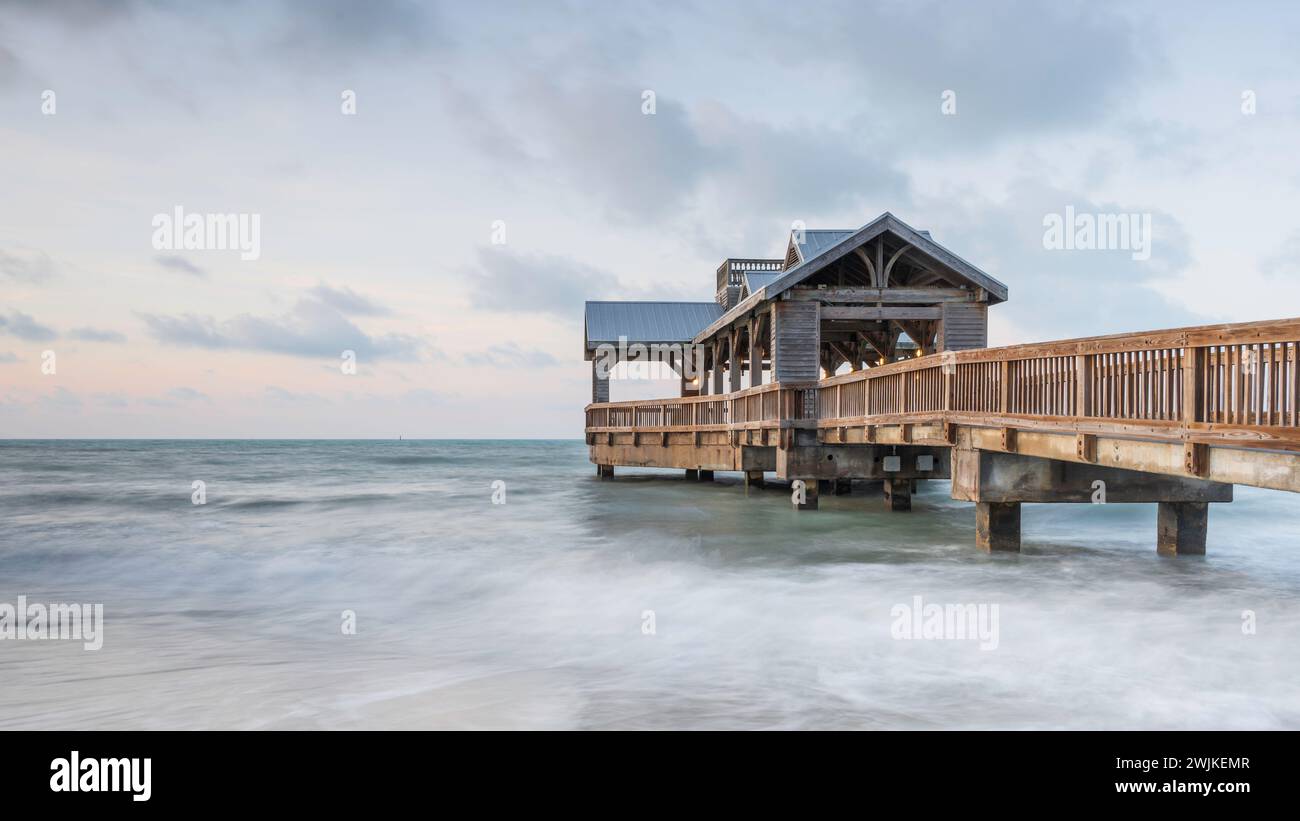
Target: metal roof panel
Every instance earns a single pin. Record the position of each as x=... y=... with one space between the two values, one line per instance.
x=648 y=321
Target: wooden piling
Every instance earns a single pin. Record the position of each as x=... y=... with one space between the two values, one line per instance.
x=997 y=526
x=898 y=494
x=1181 y=527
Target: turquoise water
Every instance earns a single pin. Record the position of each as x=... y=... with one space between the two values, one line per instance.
x=530 y=614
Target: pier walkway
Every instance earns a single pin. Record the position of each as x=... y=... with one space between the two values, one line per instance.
x=1173 y=417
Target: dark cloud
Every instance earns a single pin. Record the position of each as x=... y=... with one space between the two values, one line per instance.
x=25 y=327
x=801 y=173
x=311 y=329
x=26 y=266
x=77 y=13
x=9 y=66
x=510 y=355
x=8 y=357
x=349 y=302
x=186 y=394
x=175 y=262
x=332 y=30
x=96 y=335
x=595 y=140
x=510 y=282
x=1016 y=66
x=641 y=165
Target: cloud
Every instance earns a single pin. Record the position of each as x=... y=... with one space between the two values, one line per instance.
x=641 y=165
x=186 y=394
x=8 y=357
x=10 y=68
x=26 y=266
x=311 y=329
x=340 y=29
x=60 y=399
x=96 y=335
x=348 y=302
x=175 y=262
x=276 y=394
x=538 y=283
x=510 y=355
x=111 y=400
x=25 y=327
x=1057 y=294
x=1285 y=261
x=1016 y=67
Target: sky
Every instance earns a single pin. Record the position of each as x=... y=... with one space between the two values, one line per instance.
x=439 y=187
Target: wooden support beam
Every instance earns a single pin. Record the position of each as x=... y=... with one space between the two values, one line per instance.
x=733 y=362
x=898 y=494
x=889 y=266
x=861 y=254
x=922 y=296
x=1181 y=528
x=717 y=367
x=872 y=314
x=990 y=476
x=997 y=526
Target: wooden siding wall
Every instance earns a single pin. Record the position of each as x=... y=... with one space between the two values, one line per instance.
x=599 y=385
x=965 y=326
x=796 y=341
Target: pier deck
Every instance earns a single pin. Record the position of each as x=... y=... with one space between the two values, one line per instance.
x=1174 y=417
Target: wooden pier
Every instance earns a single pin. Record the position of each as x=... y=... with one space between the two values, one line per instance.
x=1174 y=417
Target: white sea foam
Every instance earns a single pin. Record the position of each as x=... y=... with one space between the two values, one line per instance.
x=529 y=613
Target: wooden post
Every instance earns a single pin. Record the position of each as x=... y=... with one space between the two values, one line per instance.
x=997 y=526
x=733 y=361
x=1180 y=528
x=753 y=479
x=605 y=471
x=898 y=494
x=1193 y=384
x=755 y=355
x=717 y=367
x=1082 y=385
x=1005 y=400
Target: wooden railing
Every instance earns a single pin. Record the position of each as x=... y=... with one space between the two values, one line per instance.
x=1219 y=384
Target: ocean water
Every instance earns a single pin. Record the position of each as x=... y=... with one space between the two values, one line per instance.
x=535 y=613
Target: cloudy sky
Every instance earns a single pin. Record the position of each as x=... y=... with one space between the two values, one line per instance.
x=376 y=228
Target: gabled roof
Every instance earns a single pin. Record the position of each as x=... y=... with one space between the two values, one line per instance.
x=817 y=241
x=647 y=321
x=755 y=280
x=821 y=248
